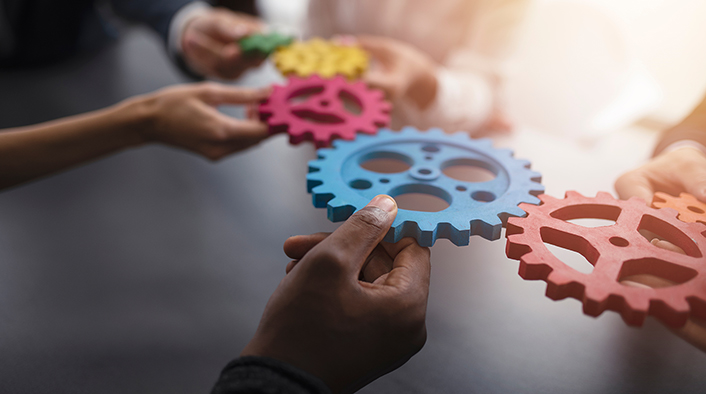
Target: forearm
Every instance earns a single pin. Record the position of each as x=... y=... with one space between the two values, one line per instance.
x=693 y=127
x=30 y=152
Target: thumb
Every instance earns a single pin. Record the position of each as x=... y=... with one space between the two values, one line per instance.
x=351 y=243
x=240 y=129
x=634 y=184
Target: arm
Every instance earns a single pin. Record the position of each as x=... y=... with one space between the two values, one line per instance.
x=678 y=165
x=455 y=89
x=350 y=308
x=199 y=38
x=184 y=116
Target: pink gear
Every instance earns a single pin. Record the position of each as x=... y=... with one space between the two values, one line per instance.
x=323 y=116
x=618 y=253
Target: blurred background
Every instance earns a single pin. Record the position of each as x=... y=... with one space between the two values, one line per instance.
x=628 y=61
x=147 y=271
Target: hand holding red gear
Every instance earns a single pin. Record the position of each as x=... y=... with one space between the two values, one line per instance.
x=323 y=116
x=617 y=252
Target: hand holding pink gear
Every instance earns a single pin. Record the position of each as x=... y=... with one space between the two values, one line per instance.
x=323 y=115
x=618 y=253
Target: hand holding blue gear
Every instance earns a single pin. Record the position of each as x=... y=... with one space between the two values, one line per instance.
x=339 y=182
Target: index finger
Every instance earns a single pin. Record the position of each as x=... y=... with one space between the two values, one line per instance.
x=217 y=94
x=411 y=269
x=632 y=184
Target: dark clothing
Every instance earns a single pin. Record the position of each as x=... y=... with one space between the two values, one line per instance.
x=43 y=31
x=260 y=375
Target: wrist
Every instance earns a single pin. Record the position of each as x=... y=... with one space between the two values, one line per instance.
x=137 y=117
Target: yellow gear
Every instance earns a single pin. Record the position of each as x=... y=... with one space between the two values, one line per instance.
x=325 y=58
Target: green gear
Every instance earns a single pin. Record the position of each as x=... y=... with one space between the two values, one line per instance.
x=264 y=44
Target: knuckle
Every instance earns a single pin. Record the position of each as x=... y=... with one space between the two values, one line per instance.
x=372 y=217
x=332 y=257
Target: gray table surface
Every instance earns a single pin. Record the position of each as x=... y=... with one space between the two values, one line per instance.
x=147 y=271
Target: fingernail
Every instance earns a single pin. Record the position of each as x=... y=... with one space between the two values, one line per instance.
x=384 y=202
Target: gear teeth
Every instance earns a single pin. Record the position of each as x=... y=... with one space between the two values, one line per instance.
x=338 y=210
x=672 y=305
x=536 y=177
x=427 y=227
x=604 y=196
x=506 y=152
x=572 y=194
x=516 y=212
x=435 y=132
x=547 y=199
x=277 y=112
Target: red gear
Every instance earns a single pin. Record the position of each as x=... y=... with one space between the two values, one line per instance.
x=617 y=252
x=690 y=209
x=323 y=115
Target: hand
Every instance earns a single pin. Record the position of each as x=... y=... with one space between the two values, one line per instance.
x=400 y=70
x=210 y=43
x=681 y=170
x=350 y=308
x=186 y=116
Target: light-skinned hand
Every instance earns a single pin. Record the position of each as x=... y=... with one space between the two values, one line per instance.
x=400 y=70
x=186 y=116
x=681 y=170
x=350 y=308
x=210 y=43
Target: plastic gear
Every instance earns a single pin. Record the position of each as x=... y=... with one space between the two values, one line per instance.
x=338 y=181
x=690 y=209
x=321 y=57
x=323 y=114
x=264 y=44
x=618 y=253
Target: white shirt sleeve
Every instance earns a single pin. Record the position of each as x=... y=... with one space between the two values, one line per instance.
x=179 y=22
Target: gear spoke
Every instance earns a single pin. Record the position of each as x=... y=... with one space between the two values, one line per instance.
x=618 y=252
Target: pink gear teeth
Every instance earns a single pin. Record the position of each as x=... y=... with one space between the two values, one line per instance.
x=320 y=110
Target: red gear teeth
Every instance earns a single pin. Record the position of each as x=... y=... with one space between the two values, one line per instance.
x=690 y=209
x=616 y=252
x=323 y=116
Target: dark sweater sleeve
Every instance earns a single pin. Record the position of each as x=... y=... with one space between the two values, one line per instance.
x=693 y=127
x=157 y=14
x=261 y=375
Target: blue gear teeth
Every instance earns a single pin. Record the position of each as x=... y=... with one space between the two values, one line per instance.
x=338 y=182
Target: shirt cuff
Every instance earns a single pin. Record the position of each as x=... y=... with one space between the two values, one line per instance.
x=463 y=102
x=178 y=24
x=255 y=375
x=684 y=144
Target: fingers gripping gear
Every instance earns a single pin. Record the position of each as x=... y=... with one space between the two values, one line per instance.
x=338 y=181
x=317 y=110
x=321 y=57
x=690 y=209
x=618 y=253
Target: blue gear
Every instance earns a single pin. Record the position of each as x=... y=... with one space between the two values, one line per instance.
x=337 y=181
